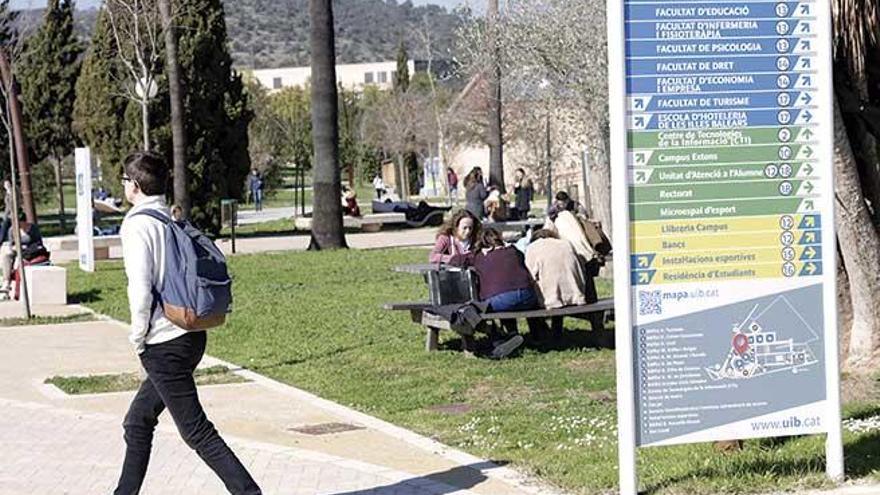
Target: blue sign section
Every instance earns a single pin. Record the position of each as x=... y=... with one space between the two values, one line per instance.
x=721 y=47
x=721 y=118
x=720 y=10
x=712 y=30
x=720 y=101
x=716 y=83
x=712 y=65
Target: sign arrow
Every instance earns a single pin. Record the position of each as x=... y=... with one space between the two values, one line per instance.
x=808 y=81
x=805 y=27
x=808 y=169
x=811 y=268
x=808 y=151
x=810 y=222
x=640 y=122
x=808 y=186
x=808 y=204
x=642 y=277
x=806 y=45
x=640 y=104
x=809 y=237
x=805 y=63
x=640 y=158
x=643 y=260
x=807 y=134
x=805 y=9
x=806 y=98
x=810 y=253
x=807 y=116
x=641 y=176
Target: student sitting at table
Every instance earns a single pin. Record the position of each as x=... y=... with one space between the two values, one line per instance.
x=558 y=275
x=457 y=236
x=505 y=283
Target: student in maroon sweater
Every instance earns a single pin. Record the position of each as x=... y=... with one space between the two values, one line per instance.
x=505 y=282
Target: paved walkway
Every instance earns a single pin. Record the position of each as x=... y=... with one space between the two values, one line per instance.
x=52 y=443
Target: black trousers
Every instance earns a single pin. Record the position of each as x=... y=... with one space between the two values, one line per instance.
x=170 y=385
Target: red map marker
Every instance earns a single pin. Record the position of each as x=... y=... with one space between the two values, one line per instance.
x=740 y=343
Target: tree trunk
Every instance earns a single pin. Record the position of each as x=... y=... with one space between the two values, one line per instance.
x=495 y=137
x=21 y=154
x=178 y=132
x=59 y=184
x=327 y=230
x=145 y=123
x=860 y=247
x=600 y=178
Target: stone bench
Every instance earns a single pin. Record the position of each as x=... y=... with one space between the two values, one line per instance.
x=46 y=285
x=71 y=242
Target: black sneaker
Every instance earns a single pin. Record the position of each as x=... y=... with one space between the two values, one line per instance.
x=504 y=349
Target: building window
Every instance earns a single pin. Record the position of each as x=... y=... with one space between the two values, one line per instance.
x=276 y=83
x=393 y=76
x=383 y=77
x=368 y=78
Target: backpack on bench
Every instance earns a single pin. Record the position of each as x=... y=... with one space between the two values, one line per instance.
x=196 y=293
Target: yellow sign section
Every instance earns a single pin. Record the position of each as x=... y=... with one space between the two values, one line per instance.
x=704 y=243
x=727 y=226
x=716 y=273
x=686 y=259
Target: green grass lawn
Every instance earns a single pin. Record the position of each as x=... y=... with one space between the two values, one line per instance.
x=121 y=382
x=314 y=320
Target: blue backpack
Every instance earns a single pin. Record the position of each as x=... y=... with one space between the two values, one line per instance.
x=196 y=293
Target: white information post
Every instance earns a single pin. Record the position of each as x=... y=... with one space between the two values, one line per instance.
x=85 y=231
x=722 y=151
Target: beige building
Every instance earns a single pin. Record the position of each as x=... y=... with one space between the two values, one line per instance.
x=350 y=76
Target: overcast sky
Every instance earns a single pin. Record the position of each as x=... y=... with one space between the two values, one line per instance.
x=84 y=4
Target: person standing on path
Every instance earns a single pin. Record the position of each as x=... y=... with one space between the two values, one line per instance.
x=475 y=193
x=452 y=185
x=524 y=190
x=168 y=354
x=255 y=184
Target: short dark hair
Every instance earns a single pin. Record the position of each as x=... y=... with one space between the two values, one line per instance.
x=149 y=171
x=490 y=238
x=562 y=196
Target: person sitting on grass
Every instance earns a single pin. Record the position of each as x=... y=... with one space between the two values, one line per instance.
x=457 y=236
x=505 y=283
x=559 y=277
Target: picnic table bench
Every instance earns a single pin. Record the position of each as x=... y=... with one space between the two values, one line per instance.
x=420 y=312
x=367 y=223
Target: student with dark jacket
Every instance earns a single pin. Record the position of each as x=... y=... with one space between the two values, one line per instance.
x=505 y=282
x=475 y=193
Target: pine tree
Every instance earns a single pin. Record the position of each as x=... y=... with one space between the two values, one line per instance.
x=216 y=111
x=48 y=73
x=401 y=77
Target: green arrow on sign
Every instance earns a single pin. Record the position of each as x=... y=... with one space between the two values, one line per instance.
x=808 y=187
x=640 y=158
x=810 y=237
x=808 y=204
x=810 y=253
x=641 y=176
x=808 y=151
x=811 y=221
x=807 y=134
x=808 y=169
x=811 y=268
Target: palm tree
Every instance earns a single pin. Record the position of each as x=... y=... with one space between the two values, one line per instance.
x=495 y=137
x=327 y=230
x=856 y=29
x=178 y=132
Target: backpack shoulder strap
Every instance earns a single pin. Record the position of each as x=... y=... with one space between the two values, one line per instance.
x=153 y=214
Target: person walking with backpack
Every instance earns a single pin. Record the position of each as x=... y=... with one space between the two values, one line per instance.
x=167 y=328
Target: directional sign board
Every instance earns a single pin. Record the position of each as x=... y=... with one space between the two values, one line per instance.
x=722 y=164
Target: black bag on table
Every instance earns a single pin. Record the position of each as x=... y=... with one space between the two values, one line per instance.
x=452 y=286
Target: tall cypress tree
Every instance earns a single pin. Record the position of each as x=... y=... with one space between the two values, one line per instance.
x=216 y=111
x=48 y=72
x=401 y=77
x=8 y=35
